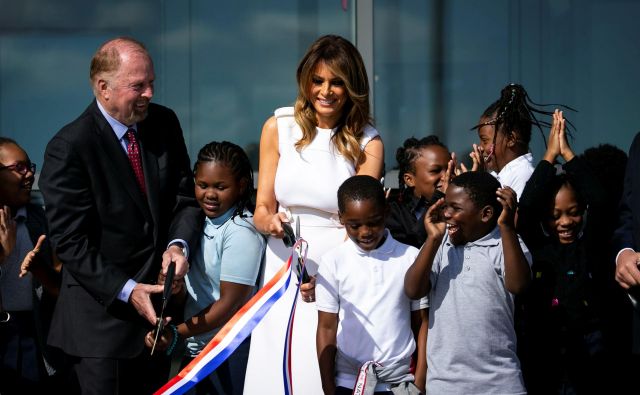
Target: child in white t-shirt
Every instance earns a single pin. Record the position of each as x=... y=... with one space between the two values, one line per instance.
x=365 y=320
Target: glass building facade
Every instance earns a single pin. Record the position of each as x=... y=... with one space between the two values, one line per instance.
x=434 y=65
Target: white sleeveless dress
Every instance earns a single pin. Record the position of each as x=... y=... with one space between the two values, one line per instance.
x=306 y=186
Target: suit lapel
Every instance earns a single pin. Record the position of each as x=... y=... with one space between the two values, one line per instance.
x=118 y=159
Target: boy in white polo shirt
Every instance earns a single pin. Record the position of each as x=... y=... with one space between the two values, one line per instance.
x=364 y=317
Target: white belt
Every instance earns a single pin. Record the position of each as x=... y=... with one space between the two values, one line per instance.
x=311 y=217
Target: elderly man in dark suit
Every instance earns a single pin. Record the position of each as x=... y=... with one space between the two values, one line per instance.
x=117 y=187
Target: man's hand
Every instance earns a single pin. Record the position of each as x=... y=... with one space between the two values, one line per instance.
x=627 y=273
x=8 y=231
x=174 y=254
x=141 y=300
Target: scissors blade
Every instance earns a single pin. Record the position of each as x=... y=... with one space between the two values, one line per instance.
x=159 y=329
x=166 y=295
x=297 y=227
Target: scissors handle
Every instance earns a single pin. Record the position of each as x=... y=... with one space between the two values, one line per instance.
x=168 y=282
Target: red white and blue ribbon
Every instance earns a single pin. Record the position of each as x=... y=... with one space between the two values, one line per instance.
x=234 y=331
x=300 y=250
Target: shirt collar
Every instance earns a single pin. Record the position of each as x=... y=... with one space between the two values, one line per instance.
x=519 y=161
x=218 y=221
x=386 y=248
x=416 y=203
x=490 y=239
x=21 y=213
x=118 y=127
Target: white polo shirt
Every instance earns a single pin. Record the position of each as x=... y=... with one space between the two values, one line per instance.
x=516 y=173
x=366 y=289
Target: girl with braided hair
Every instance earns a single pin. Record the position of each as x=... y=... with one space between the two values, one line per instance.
x=224 y=268
x=505 y=132
x=422 y=169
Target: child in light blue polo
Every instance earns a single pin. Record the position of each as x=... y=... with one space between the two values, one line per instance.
x=224 y=270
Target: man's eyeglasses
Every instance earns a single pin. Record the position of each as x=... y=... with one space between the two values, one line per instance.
x=21 y=168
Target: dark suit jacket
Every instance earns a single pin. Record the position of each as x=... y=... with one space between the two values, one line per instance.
x=628 y=233
x=105 y=231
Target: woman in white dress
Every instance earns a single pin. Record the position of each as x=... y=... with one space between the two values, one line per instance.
x=306 y=152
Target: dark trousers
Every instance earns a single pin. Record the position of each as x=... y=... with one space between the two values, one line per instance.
x=109 y=376
x=228 y=378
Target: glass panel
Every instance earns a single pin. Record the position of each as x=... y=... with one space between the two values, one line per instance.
x=439 y=64
x=222 y=66
x=404 y=67
x=244 y=60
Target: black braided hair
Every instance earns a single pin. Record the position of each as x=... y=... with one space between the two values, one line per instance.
x=237 y=160
x=515 y=111
x=407 y=155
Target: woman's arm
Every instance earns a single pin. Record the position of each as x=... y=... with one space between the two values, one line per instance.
x=373 y=161
x=266 y=218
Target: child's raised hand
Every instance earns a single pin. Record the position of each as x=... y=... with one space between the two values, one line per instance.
x=477 y=156
x=553 y=143
x=565 y=148
x=448 y=174
x=509 y=200
x=31 y=255
x=434 y=220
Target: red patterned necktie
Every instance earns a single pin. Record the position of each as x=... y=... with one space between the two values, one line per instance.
x=133 y=151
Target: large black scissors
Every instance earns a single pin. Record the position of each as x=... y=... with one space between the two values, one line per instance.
x=166 y=295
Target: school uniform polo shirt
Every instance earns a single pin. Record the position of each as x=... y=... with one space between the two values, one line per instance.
x=366 y=290
x=472 y=341
x=231 y=249
x=516 y=173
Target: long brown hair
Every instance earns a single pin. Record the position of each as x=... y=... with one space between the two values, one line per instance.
x=344 y=60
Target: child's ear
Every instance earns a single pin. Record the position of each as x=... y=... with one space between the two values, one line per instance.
x=244 y=183
x=340 y=218
x=409 y=180
x=512 y=138
x=486 y=213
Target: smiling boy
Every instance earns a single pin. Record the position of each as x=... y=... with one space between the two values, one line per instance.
x=470 y=273
x=364 y=317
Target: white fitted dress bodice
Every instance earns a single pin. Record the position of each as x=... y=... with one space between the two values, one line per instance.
x=311 y=177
